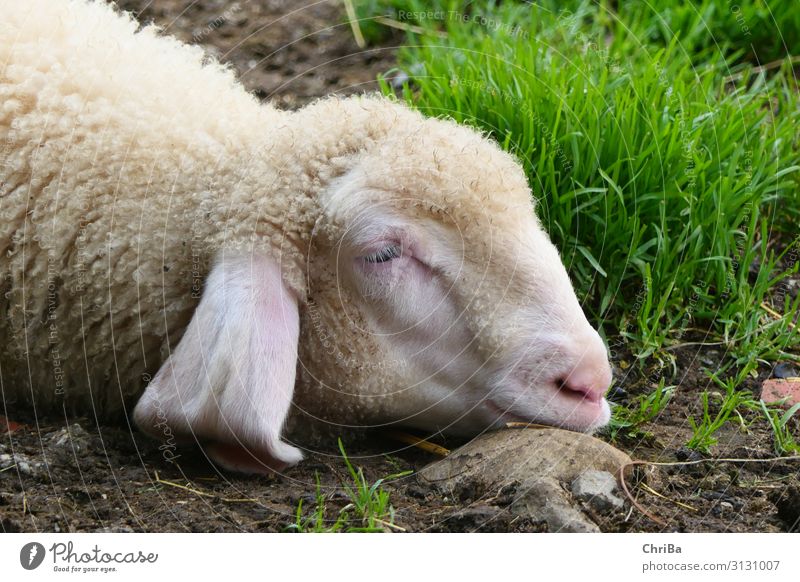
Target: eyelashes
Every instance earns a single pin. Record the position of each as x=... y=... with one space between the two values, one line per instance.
x=385 y=255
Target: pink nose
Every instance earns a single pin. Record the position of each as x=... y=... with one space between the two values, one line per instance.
x=590 y=376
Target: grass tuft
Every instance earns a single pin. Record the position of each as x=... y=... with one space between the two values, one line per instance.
x=369 y=509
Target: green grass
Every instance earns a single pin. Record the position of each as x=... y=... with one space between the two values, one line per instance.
x=759 y=30
x=627 y=420
x=705 y=428
x=665 y=164
x=756 y=31
x=779 y=421
x=369 y=509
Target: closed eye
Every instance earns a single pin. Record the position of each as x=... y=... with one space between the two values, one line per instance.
x=385 y=254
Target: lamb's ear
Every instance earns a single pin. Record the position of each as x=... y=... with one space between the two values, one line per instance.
x=230 y=380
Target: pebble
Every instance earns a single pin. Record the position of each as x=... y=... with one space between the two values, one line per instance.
x=400 y=79
x=687 y=454
x=617 y=394
x=23 y=464
x=598 y=489
x=783 y=371
x=72 y=437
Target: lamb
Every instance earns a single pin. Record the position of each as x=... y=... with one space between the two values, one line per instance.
x=245 y=272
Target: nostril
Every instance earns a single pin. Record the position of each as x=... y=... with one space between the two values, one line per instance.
x=577 y=390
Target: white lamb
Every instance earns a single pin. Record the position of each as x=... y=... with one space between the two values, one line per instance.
x=355 y=263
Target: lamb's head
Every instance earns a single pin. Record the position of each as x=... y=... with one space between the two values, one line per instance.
x=431 y=298
x=436 y=299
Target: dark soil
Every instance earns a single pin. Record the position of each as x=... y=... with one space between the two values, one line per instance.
x=287 y=51
x=65 y=474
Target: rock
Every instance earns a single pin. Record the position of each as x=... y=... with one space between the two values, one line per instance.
x=777 y=390
x=545 y=500
x=598 y=489
x=617 y=394
x=73 y=438
x=687 y=454
x=399 y=79
x=23 y=464
x=541 y=463
x=784 y=371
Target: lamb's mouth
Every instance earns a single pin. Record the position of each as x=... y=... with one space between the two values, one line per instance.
x=505 y=415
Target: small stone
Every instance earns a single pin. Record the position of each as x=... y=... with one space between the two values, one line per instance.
x=617 y=394
x=598 y=490
x=399 y=79
x=687 y=454
x=783 y=371
x=73 y=439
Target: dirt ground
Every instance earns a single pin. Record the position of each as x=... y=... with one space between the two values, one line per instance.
x=72 y=475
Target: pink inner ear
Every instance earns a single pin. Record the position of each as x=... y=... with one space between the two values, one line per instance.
x=230 y=380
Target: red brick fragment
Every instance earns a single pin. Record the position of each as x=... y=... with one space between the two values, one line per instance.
x=8 y=426
x=775 y=390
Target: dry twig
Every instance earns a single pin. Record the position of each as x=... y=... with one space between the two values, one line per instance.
x=204 y=493
x=420 y=443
